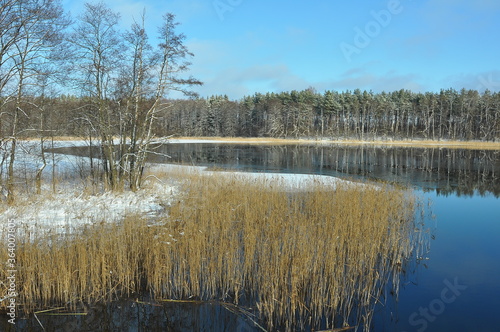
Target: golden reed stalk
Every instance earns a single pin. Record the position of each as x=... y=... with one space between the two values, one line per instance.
x=293 y=255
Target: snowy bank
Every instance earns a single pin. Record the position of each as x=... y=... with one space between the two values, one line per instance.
x=285 y=181
x=71 y=209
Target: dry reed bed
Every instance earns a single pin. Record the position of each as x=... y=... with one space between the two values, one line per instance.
x=296 y=256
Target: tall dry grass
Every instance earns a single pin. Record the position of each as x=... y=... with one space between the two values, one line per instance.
x=296 y=256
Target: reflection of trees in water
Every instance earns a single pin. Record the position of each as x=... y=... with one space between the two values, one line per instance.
x=459 y=171
x=447 y=171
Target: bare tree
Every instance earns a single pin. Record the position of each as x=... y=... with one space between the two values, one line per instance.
x=33 y=30
x=137 y=77
x=139 y=90
x=172 y=61
x=98 y=46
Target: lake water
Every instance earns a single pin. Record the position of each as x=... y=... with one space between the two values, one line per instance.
x=456 y=289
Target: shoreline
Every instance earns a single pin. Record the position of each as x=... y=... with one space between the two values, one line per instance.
x=375 y=143
x=449 y=144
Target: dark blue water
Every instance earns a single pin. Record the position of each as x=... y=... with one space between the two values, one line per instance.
x=459 y=290
x=456 y=287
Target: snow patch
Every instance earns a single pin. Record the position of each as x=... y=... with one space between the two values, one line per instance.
x=67 y=212
x=287 y=181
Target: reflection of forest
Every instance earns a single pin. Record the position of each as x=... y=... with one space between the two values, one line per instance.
x=447 y=171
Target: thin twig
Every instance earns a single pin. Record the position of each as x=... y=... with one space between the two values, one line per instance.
x=43 y=328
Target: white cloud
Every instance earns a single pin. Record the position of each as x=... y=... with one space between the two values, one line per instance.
x=488 y=80
x=225 y=69
x=237 y=82
x=362 y=78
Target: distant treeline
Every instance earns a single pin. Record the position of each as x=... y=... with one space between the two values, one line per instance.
x=449 y=114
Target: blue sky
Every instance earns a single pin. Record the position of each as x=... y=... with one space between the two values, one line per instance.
x=247 y=46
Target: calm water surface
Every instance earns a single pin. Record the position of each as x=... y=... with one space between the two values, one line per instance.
x=456 y=289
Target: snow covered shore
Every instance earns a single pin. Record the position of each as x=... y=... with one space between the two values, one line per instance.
x=286 y=181
x=71 y=207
